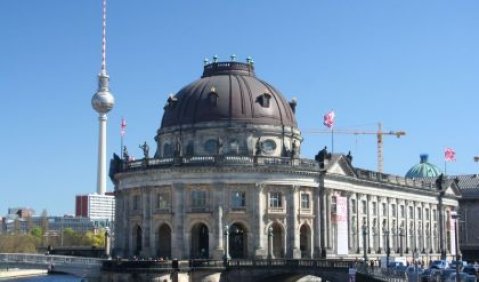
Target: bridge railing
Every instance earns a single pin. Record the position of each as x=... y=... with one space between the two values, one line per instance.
x=48 y=259
x=321 y=263
x=152 y=265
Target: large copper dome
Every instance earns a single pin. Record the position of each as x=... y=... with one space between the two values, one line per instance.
x=228 y=91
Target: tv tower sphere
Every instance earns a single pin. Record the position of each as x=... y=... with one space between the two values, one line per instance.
x=103 y=101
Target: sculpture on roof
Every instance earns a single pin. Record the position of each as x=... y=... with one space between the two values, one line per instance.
x=146 y=149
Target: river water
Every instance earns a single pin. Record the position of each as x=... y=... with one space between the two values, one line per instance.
x=46 y=278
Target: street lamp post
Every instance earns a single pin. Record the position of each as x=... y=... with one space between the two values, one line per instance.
x=226 y=233
x=365 y=249
x=270 y=242
x=455 y=217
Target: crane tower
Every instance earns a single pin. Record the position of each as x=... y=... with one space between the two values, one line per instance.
x=379 y=137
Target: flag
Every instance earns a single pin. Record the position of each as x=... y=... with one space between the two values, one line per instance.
x=329 y=119
x=123 y=127
x=449 y=154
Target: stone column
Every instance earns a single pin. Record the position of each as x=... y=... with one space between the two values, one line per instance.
x=258 y=208
x=406 y=227
x=327 y=200
x=369 y=223
x=219 y=203
x=148 y=249
x=415 y=224
x=322 y=215
x=294 y=218
x=380 y=231
x=180 y=244
x=389 y=227
x=349 y=196
x=423 y=228
x=317 y=207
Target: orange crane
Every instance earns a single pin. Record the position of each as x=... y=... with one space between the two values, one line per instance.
x=379 y=135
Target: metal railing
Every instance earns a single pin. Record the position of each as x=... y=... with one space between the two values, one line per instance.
x=42 y=259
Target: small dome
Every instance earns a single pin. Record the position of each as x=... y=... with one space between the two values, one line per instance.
x=423 y=169
x=228 y=91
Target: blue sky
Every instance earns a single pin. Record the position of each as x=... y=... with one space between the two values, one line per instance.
x=412 y=65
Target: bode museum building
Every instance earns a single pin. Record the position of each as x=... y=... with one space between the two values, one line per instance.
x=227 y=173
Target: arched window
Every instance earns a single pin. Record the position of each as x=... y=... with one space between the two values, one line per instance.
x=164 y=241
x=238 y=241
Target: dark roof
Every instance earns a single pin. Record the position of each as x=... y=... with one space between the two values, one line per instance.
x=228 y=91
x=469 y=184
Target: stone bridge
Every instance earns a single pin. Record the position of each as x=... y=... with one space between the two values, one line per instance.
x=232 y=270
x=95 y=269
x=78 y=266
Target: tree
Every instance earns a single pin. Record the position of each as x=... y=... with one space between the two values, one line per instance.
x=37 y=233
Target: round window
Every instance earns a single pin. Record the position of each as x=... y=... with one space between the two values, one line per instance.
x=268 y=146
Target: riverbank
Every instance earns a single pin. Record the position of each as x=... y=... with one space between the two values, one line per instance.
x=17 y=273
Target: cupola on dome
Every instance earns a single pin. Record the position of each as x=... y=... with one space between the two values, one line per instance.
x=423 y=169
x=228 y=91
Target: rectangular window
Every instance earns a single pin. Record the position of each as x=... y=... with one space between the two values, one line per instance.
x=419 y=213
x=305 y=201
x=275 y=200
x=375 y=208
x=434 y=215
x=333 y=204
x=393 y=210
x=238 y=199
x=403 y=211
x=427 y=214
x=353 y=206
x=198 y=199
x=136 y=202
x=163 y=201
x=364 y=206
x=384 y=208
x=411 y=212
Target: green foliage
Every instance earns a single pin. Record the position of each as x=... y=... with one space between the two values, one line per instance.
x=24 y=243
x=92 y=239
x=37 y=232
x=38 y=240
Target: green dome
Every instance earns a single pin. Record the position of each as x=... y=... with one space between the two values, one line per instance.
x=423 y=169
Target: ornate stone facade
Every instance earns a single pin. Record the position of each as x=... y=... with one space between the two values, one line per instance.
x=237 y=165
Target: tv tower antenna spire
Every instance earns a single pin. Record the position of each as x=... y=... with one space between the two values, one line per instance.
x=102 y=102
x=103 y=39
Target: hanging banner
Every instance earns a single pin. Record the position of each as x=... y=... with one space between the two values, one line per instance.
x=341 y=219
x=452 y=241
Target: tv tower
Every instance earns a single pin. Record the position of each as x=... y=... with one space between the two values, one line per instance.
x=102 y=102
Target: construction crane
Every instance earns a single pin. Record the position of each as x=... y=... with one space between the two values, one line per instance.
x=379 y=134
